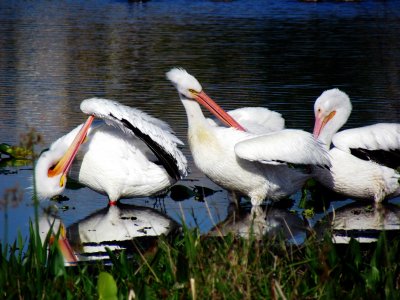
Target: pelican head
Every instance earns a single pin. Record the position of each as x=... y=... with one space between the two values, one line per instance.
x=190 y=89
x=48 y=186
x=331 y=110
x=186 y=84
x=54 y=164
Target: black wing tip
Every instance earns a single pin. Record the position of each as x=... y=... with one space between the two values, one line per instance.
x=388 y=158
x=167 y=160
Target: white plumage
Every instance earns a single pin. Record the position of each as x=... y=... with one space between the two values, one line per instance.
x=381 y=136
x=289 y=145
x=234 y=158
x=364 y=160
x=131 y=154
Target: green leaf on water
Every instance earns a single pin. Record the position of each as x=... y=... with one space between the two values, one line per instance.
x=309 y=213
x=107 y=287
x=10 y=162
x=16 y=151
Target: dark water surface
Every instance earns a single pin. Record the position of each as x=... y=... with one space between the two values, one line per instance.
x=280 y=54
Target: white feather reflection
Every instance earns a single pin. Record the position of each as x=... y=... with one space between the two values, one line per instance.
x=361 y=222
x=263 y=222
x=116 y=228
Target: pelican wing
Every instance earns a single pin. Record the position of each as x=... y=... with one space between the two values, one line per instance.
x=286 y=146
x=379 y=142
x=257 y=120
x=157 y=134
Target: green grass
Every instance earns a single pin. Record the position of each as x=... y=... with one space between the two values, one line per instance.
x=193 y=266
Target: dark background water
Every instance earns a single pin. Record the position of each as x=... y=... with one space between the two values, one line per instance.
x=280 y=54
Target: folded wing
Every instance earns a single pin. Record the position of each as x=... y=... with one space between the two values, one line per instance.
x=157 y=134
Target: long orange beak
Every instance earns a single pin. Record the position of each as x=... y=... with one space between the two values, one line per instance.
x=321 y=122
x=214 y=108
x=63 y=166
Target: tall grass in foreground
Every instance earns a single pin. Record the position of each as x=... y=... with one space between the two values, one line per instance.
x=199 y=267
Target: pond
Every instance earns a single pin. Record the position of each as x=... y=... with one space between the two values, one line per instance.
x=279 y=54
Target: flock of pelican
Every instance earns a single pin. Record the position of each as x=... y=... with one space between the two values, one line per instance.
x=122 y=152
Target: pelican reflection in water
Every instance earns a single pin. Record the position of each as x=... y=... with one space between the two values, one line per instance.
x=262 y=222
x=360 y=221
x=116 y=227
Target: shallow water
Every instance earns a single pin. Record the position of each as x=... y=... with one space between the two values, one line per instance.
x=279 y=54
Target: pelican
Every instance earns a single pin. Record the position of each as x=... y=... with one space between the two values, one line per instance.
x=364 y=160
x=245 y=163
x=128 y=154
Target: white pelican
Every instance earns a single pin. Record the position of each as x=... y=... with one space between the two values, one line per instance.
x=246 y=163
x=130 y=154
x=364 y=159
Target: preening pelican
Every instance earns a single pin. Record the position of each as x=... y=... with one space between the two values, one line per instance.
x=364 y=160
x=254 y=165
x=129 y=154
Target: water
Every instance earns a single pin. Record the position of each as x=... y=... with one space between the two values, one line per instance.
x=280 y=54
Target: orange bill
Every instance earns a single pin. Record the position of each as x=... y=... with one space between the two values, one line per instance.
x=63 y=166
x=215 y=109
x=321 y=122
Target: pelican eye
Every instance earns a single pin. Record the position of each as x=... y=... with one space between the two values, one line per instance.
x=193 y=91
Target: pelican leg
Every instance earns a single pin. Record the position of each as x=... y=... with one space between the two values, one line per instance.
x=234 y=199
x=112 y=202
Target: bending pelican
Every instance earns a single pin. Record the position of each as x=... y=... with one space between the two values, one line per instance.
x=364 y=160
x=250 y=164
x=130 y=154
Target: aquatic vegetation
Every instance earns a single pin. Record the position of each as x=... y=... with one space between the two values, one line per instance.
x=25 y=149
x=15 y=151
